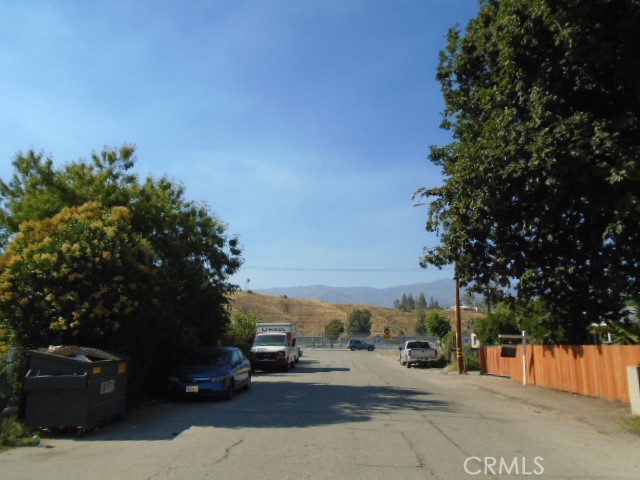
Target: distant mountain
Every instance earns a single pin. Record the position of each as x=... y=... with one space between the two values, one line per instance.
x=443 y=291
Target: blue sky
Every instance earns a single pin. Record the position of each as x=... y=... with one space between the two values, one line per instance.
x=304 y=125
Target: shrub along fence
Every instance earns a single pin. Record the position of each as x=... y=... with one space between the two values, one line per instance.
x=7 y=368
x=593 y=370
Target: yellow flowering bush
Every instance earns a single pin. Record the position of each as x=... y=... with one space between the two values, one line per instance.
x=56 y=291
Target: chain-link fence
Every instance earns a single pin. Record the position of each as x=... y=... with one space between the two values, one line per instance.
x=329 y=341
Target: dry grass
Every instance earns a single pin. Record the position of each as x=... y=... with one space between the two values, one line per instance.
x=311 y=316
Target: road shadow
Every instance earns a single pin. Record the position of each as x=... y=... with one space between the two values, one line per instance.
x=283 y=404
x=306 y=366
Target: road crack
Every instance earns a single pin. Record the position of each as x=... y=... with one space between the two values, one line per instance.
x=421 y=463
x=227 y=452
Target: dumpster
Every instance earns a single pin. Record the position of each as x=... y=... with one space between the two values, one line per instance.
x=73 y=387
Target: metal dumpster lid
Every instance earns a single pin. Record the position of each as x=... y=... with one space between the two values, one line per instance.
x=71 y=351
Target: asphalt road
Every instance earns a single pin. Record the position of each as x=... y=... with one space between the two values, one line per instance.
x=350 y=415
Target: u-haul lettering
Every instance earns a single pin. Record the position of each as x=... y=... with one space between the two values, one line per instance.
x=274 y=328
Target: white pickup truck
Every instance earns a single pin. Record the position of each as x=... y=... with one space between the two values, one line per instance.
x=417 y=352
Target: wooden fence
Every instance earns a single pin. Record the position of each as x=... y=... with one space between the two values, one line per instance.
x=593 y=370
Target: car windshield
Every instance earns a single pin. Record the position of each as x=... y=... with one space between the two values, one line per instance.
x=271 y=340
x=202 y=358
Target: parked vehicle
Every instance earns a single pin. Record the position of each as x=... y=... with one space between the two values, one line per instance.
x=417 y=352
x=211 y=371
x=354 y=344
x=274 y=347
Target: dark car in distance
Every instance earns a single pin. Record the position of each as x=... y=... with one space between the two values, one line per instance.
x=354 y=344
x=211 y=371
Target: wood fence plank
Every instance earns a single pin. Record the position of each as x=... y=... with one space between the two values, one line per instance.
x=593 y=370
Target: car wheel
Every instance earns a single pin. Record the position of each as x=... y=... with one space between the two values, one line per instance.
x=292 y=364
x=285 y=367
x=353 y=349
x=408 y=365
x=247 y=385
x=228 y=393
x=370 y=349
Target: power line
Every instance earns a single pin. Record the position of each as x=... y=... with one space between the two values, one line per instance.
x=346 y=270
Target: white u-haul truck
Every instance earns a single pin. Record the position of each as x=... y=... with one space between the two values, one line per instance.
x=274 y=347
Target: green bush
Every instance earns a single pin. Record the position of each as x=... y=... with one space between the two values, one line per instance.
x=437 y=324
x=448 y=344
x=333 y=330
x=13 y=433
x=242 y=330
x=488 y=328
x=471 y=360
x=359 y=322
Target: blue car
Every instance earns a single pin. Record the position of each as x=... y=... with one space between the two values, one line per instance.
x=211 y=371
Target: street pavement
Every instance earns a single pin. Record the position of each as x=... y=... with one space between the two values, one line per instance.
x=604 y=416
x=351 y=415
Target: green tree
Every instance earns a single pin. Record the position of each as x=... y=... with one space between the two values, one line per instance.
x=333 y=329
x=469 y=299
x=182 y=301
x=359 y=322
x=437 y=324
x=241 y=331
x=542 y=178
x=404 y=303
x=421 y=303
x=407 y=303
x=421 y=325
x=433 y=304
x=411 y=303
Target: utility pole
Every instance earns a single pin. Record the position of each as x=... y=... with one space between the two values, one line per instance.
x=459 y=330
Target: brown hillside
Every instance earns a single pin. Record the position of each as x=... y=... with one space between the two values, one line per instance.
x=311 y=316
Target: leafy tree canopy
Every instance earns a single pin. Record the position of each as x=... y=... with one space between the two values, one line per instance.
x=359 y=322
x=420 y=327
x=437 y=324
x=407 y=303
x=421 y=303
x=87 y=247
x=242 y=330
x=542 y=175
x=502 y=321
x=333 y=329
x=433 y=304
